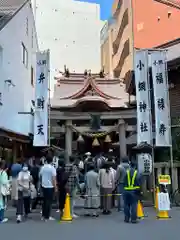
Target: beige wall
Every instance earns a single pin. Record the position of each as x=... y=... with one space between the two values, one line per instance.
x=117 y=50
x=144 y=29
x=122 y=39
x=106 y=54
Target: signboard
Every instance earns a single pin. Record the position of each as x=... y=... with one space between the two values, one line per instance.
x=163 y=202
x=144 y=126
x=41 y=100
x=164 y=179
x=145 y=163
x=161 y=99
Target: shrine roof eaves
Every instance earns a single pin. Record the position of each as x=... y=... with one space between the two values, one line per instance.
x=75 y=88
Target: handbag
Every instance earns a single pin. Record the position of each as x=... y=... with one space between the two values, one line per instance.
x=33 y=191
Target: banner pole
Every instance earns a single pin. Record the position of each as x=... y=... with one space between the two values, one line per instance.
x=170 y=131
x=49 y=102
x=152 y=137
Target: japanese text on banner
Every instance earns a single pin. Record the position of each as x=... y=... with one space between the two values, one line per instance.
x=161 y=98
x=144 y=128
x=41 y=100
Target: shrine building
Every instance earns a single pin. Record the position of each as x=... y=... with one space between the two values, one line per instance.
x=91 y=112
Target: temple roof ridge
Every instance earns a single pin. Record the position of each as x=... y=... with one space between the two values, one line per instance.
x=75 y=87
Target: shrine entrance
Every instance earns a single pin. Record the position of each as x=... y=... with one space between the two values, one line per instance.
x=90 y=113
x=96 y=142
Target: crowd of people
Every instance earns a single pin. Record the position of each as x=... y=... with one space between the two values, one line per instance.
x=97 y=180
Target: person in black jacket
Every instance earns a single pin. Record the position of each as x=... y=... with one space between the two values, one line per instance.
x=35 y=176
x=61 y=182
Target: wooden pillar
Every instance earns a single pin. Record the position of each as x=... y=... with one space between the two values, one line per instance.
x=14 y=151
x=159 y=171
x=122 y=139
x=175 y=179
x=68 y=138
x=167 y=171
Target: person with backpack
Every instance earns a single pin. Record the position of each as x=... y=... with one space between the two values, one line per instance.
x=61 y=178
x=119 y=180
x=72 y=182
x=35 y=169
x=14 y=171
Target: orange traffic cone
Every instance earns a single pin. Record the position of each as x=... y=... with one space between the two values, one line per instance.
x=163 y=215
x=156 y=199
x=140 y=212
x=67 y=212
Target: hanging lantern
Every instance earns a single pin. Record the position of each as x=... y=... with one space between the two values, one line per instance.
x=95 y=142
x=80 y=138
x=107 y=139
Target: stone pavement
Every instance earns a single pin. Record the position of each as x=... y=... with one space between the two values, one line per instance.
x=103 y=228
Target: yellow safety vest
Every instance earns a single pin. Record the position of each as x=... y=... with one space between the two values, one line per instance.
x=131 y=181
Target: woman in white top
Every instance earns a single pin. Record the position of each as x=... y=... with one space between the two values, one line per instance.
x=107 y=183
x=24 y=193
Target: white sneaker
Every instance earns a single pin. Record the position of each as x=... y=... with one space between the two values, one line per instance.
x=75 y=216
x=51 y=219
x=58 y=211
x=4 y=220
x=19 y=219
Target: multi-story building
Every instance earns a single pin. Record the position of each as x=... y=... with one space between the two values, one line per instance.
x=140 y=24
x=106 y=47
x=18 y=45
x=71 y=30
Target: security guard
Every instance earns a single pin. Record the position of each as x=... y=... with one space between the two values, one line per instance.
x=131 y=192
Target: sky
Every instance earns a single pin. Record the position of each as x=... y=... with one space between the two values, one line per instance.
x=106 y=6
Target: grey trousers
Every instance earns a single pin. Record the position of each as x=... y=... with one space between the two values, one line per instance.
x=107 y=200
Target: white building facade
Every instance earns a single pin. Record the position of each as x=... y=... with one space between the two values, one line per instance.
x=71 y=30
x=18 y=45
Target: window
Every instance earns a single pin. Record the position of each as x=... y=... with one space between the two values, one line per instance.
x=32 y=76
x=27 y=26
x=24 y=55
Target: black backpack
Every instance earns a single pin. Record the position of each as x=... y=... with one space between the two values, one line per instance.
x=65 y=176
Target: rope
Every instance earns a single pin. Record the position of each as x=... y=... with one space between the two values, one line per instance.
x=95 y=135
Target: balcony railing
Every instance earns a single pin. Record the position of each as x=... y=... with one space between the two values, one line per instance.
x=124 y=54
x=118 y=37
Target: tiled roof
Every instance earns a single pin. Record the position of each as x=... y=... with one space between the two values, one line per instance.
x=8 y=8
x=71 y=91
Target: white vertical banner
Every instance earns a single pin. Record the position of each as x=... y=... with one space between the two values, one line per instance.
x=144 y=126
x=161 y=98
x=41 y=99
